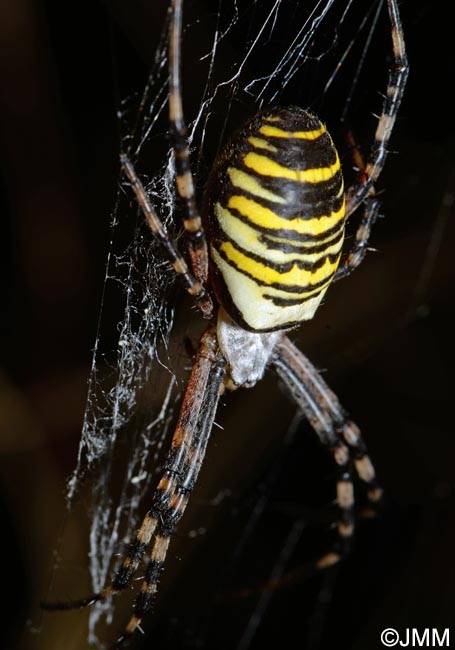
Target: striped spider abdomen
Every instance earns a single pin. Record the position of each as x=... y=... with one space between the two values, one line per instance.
x=275 y=214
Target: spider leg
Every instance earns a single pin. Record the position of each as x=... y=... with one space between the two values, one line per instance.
x=195 y=288
x=340 y=435
x=397 y=76
x=194 y=232
x=360 y=246
x=371 y=207
x=182 y=469
x=329 y=402
x=196 y=279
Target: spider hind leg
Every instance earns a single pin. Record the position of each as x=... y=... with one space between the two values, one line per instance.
x=181 y=469
x=337 y=433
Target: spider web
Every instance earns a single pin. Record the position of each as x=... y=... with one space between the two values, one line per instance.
x=237 y=58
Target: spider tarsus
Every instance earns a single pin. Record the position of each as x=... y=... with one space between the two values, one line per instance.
x=72 y=604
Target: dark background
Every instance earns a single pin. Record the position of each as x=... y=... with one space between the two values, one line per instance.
x=384 y=336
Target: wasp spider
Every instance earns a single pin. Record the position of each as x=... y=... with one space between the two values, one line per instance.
x=260 y=259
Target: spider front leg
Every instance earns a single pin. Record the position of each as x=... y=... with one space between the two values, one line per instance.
x=362 y=191
x=195 y=288
x=194 y=232
x=340 y=435
x=397 y=77
x=195 y=279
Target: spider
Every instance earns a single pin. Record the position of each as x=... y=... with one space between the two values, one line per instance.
x=261 y=256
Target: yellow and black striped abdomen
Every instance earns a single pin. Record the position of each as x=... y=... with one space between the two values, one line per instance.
x=275 y=214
